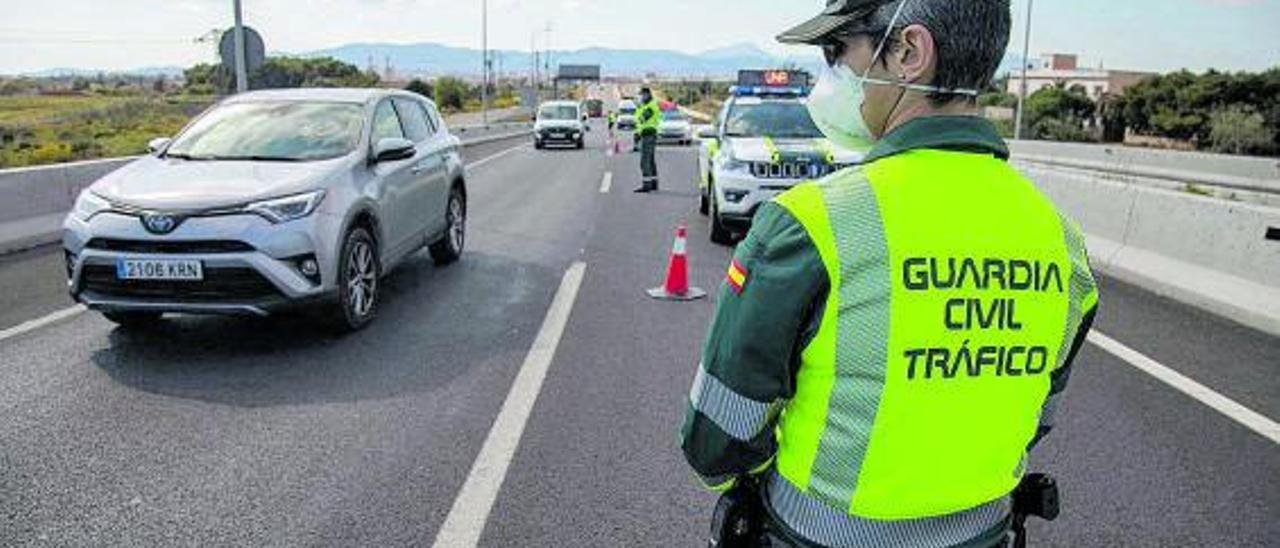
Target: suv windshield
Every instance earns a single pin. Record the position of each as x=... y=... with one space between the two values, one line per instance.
x=272 y=131
x=558 y=112
x=777 y=119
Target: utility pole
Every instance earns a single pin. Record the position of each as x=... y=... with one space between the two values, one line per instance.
x=484 y=42
x=242 y=75
x=1022 y=95
x=547 y=59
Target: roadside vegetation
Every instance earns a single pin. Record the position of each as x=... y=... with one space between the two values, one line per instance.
x=37 y=130
x=63 y=119
x=1234 y=113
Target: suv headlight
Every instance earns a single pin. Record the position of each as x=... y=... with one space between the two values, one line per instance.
x=732 y=164
x=289 y=208
x=88 y=205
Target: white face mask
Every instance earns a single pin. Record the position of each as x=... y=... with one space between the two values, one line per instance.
x=835 y=104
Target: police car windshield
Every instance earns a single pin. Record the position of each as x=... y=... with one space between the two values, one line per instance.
x=558 y=112
x=777 y=119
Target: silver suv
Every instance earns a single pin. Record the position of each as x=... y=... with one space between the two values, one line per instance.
x=270 y=200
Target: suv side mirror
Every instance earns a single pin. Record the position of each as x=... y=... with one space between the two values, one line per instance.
x=158 y=144
x=391 y=149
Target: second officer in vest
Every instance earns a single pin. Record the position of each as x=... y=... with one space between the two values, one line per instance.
x=893 y=339
x=648 y=120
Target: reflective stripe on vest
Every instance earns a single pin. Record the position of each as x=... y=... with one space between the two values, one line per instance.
x=956 y=291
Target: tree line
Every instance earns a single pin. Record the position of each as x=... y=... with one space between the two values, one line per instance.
x=1237 y=113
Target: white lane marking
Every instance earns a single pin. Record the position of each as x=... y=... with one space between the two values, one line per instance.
x=606 y=183
x=32 y=325
x=465 y=522
x=493 y=157
x=1247 y=417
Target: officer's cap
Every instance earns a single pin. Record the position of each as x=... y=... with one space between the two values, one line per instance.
x=838 y=13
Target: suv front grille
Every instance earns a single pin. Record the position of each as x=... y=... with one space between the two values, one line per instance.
x=219 y=284
x=169 y=246
x=792 y=170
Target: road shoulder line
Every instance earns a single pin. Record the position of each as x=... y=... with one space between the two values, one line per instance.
x=49 y=319
x=1246 y=417
x=466 y=520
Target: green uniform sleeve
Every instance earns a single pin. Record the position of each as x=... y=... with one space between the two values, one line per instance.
x=752 y=350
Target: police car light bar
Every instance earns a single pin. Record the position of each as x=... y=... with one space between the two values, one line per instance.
x=771 y=82
x=750 y=91
x=773 y=78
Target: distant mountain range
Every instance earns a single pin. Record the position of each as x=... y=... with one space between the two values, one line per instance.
x=435 y=59
x=431 y=59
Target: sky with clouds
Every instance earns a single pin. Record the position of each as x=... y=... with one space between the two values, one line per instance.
x=121 y=34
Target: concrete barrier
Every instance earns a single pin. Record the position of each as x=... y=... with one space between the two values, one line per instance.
x=34 y=200
x=1210 y=253
x=1265 y=170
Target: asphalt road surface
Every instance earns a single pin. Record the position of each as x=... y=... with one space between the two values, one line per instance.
x=215 y=431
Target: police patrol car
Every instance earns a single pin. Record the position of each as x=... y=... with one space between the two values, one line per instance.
x=762 y=143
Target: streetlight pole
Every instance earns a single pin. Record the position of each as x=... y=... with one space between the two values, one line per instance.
x=1022 y=95
x=484 y=41
x=242 y=75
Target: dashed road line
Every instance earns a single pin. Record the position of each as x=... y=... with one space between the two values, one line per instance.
x=1246 y=417
x=493 y=157
x=470 y=511
x=606 y=183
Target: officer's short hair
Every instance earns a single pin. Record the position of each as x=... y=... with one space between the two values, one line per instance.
x=971 y=37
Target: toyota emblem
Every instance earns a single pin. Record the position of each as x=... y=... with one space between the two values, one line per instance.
x=157 y=223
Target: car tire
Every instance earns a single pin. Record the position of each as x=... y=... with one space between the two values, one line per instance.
x=359 y=277
x=582 y=143
x=537 y=145
x=720 y=234
x=704 y=205
x=133 y=319
x=448 y=249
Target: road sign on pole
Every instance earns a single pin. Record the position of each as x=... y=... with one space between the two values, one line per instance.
x=242 y=56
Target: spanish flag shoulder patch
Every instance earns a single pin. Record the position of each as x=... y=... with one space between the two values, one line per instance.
x=737 y=277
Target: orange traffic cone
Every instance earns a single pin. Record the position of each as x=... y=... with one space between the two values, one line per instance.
x=676 y=288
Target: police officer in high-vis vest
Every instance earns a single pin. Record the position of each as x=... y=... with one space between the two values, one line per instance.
x=648 y=120
x=893 y=339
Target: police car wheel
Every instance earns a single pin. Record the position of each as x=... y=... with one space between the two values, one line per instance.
x=720 y=234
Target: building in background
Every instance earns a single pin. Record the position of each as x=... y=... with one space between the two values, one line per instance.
x=1062 y=68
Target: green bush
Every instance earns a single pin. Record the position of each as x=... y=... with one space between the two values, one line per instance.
x=1239 y=129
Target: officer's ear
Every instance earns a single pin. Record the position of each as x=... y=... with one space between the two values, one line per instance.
x=916 y=55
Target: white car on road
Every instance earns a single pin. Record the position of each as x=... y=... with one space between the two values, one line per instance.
x=560 y=122
x=675 y=128
x=271 y=200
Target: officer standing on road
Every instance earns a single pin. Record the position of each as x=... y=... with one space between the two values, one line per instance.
x=648 y=119
x=613 y=122
x=893 y=339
